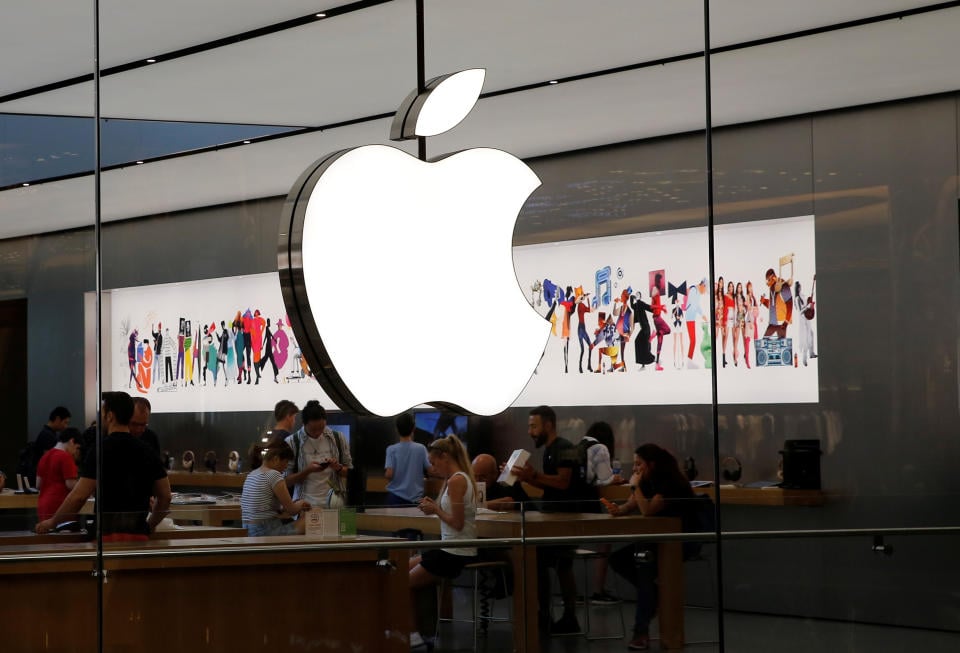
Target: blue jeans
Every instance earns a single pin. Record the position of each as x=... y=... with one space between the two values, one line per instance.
x=642 y=574
x=270 y=527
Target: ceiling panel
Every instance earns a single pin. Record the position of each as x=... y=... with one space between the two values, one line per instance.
x=884 y=61
x=358 y=64
x=56 y=36
x=230 y=175
x=363 y=63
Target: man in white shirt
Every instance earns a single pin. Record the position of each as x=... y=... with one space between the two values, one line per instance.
x=321 y=461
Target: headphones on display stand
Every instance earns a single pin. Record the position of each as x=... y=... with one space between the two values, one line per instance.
x=233 y=462
x=731 y=469
x=210 y=461
x=187 y=460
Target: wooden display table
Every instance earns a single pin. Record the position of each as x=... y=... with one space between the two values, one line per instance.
x=182 y=595
x=524 y=558
x=11 y=501
x=29 y=538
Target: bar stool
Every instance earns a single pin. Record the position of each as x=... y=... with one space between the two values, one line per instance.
x=586 y=555
x=477 y=569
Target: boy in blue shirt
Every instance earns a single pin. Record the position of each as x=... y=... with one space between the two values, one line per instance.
x=406 y=464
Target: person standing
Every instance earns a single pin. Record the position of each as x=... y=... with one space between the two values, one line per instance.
x=780 y=303
x=139 y=423
x=405 y=465
x=130 y=477
x=321 y=459
x=46 y=439
x=560 y=462
x=57 y=473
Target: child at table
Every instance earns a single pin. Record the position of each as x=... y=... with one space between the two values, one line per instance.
x=265 y=502
x=457 y=511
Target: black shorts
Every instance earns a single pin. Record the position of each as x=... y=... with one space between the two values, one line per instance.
x=445 y=565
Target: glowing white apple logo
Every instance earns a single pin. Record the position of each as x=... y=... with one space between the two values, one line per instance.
x=398 y=273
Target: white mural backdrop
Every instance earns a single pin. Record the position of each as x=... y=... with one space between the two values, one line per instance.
x=596 y=273
x=224 y=345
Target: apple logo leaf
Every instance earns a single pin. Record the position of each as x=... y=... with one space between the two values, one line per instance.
x=445 y=102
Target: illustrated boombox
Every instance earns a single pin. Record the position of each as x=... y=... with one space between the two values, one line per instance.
x=773 y=351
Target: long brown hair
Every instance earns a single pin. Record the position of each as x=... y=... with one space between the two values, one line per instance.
x=453 y=447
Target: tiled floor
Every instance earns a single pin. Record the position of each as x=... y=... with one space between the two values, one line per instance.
x=745 y=633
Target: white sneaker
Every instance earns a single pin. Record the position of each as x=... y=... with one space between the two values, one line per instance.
x=416 y=640
x=692 y=365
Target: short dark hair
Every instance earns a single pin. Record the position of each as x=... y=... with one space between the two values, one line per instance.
x=142 y=401
x=405 y=424
x=769 y=272
x=60 y=412
x=120 y=404
x=313 y=411
x=284 y=409
x=545 y=413
x=70 y=433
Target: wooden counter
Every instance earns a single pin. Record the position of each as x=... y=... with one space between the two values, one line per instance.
x=29 y=538
x=198 y=599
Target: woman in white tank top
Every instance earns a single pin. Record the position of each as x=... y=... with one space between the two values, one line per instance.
x=457 y=511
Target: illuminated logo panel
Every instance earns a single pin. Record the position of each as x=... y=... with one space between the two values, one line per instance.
x=392 y=268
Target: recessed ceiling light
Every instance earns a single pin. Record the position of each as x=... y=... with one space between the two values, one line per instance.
x=553 y=81
x=246 y=142
x=25 y=184
x=139 y=163
x=321 y=15
x=151 y=61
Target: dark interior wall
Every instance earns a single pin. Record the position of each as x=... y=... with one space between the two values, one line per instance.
x=882 y=182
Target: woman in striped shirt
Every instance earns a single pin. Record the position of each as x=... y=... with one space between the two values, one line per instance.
x=266 y=501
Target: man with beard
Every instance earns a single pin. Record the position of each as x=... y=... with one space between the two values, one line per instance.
x=560 y=462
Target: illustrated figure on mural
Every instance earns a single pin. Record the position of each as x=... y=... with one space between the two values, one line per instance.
x=133 y=357
x=660 y=326
x=750 y=330
x=223 y=345
x=256 y=334
x=166 y=352
x=157 y=348
x=181 y=337
x=779 y=301
x=806 y=309
x=267 y=353
x=623 y=315
x=145 y=366
x=641 y=344
x=583 y=307
x=281 y=345
x=692 y=314
x=238 y=345
x=188 y=353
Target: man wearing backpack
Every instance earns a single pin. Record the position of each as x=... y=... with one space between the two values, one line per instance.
x=321 y=461
x=47 y=438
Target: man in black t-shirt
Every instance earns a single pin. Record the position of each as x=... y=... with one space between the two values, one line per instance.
x=560 y=463
x=132 y=475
